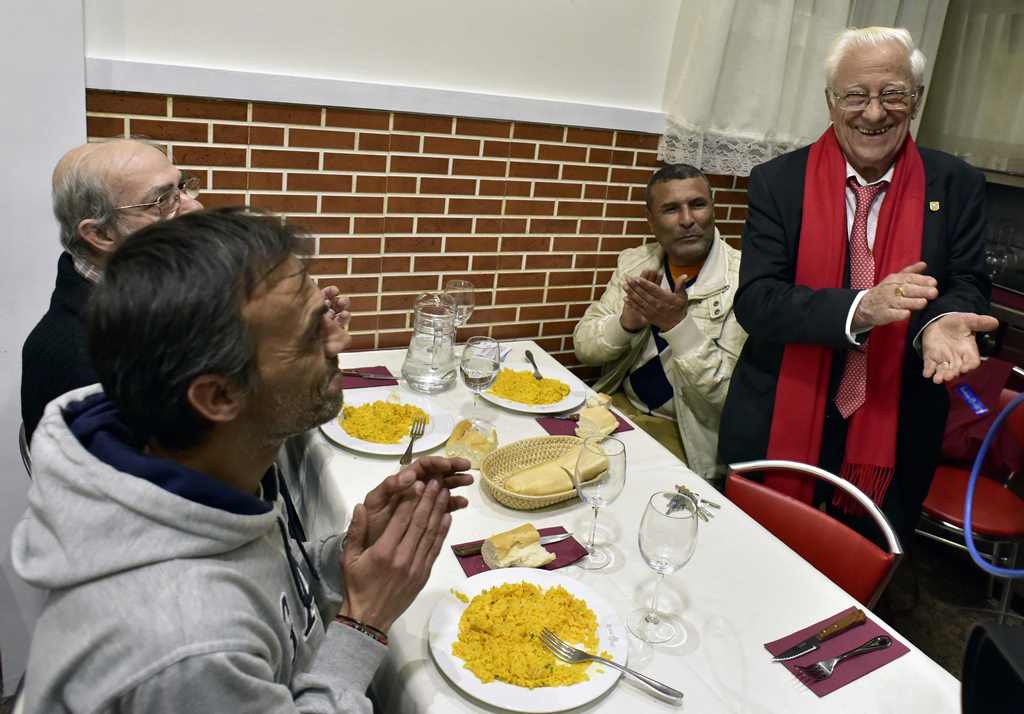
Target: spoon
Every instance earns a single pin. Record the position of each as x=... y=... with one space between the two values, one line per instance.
x=536 y=372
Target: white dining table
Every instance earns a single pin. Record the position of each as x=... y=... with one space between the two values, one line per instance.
x=743 y=587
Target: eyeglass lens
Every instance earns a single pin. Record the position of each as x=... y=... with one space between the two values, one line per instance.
x=889 y=100
x=169 y=202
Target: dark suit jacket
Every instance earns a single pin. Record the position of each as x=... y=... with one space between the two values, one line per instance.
x=775 y=312
x=55 y=357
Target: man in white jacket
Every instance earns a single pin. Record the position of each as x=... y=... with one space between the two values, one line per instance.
x=180 y=577
x=664 y=330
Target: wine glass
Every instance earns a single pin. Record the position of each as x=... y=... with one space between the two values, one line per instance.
x=461 y=292
x=600 y=490
x=479 y=365
x=667 y=538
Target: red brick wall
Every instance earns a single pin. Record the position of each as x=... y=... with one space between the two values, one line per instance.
x=532 y=214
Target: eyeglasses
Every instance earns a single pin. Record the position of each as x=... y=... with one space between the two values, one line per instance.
x=894 y=100
x=169 y=201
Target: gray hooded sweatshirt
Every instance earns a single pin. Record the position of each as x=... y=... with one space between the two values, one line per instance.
x=171 y=592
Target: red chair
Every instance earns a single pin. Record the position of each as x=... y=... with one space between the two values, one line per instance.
x=998 y=516
x=844 y=556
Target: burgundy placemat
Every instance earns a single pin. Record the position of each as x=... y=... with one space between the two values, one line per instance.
x=566 y=552
x=847 y=671
x=350 y=382
x=567 y=427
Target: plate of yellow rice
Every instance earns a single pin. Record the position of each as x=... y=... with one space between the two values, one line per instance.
x=517 y=389
x=484 y=637
x=377 y=421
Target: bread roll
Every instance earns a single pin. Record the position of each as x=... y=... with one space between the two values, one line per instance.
x=554 y=476
x=472 y=440
x=517 y=548
x=596 y=421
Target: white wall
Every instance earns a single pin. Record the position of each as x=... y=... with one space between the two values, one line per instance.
x=603 y=52
x=44 y=115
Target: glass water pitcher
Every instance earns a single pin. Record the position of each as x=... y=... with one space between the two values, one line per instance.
x=430 y=360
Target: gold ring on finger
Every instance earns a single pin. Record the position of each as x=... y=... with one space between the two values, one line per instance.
x=899 y=291
x=944 y=364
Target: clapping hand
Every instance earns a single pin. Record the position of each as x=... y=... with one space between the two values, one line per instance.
x=382 y=578
x=648 y=303
x=395 y=536
x=948 y=346
x=340 y=307
x=381 y=502
x=339 y=314
x=896 y=297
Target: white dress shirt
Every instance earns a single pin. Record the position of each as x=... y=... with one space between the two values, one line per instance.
x=876 y=208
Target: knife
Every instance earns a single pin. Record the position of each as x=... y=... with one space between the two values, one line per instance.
x=474 y=548
x=814 y=641
x=368 y=375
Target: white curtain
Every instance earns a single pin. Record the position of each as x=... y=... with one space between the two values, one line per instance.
x=745 y=81
x=976 y=109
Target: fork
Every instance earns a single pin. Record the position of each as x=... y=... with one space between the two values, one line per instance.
x=567 y=653
x=823 y=670
x=419 y=426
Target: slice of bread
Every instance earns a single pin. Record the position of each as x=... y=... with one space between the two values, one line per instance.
x=517 y=548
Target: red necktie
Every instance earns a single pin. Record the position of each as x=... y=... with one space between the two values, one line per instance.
x=853 y=387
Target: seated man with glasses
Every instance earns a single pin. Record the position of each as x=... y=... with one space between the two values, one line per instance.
x=101 y=193
x=862 y=284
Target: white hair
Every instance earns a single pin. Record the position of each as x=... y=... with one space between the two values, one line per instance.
x=874 y=37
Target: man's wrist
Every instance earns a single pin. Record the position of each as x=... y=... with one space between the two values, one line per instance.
x=666 y=326
x=364 y=618
x=368 y=630
x=628 y=329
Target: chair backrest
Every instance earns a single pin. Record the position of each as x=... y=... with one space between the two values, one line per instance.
x=26 y=455
x=844 y=556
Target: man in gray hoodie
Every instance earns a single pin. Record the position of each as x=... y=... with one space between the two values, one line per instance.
x=180 y=577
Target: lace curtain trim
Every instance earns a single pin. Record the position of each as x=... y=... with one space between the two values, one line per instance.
x=717 y=153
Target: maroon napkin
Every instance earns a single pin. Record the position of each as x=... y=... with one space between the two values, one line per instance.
x=566 y=552
x=567 y=427
x=847 y=671
x=349 y=382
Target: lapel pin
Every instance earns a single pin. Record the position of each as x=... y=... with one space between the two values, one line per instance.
x=934 y=206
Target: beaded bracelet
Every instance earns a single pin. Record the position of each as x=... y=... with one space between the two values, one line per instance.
x=368 y=630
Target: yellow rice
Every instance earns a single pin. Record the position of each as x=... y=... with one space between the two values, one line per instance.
x=523 y=387
x=499 y=635
x=380 y=422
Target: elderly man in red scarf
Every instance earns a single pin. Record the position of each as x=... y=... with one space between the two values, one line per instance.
x=861 y=284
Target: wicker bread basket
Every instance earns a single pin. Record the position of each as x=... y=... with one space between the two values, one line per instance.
x=509 y=460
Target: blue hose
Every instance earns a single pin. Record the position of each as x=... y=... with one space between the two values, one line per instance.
x=969 y=501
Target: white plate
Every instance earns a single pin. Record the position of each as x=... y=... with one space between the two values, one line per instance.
x=439 y=428
x=444 y=631
x=573 y=399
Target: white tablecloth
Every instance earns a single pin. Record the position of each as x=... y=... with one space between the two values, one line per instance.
x=741 y=589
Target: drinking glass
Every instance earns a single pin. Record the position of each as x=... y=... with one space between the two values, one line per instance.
x=461 y=292
x=667 y=538
x=600 y=490
x=479 y=366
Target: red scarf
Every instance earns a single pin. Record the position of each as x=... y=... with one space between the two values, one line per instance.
x=802 y=388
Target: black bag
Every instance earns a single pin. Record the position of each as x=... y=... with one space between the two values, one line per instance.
x=993 y=674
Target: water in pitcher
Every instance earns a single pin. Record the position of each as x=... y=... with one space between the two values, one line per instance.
x=430 y=361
